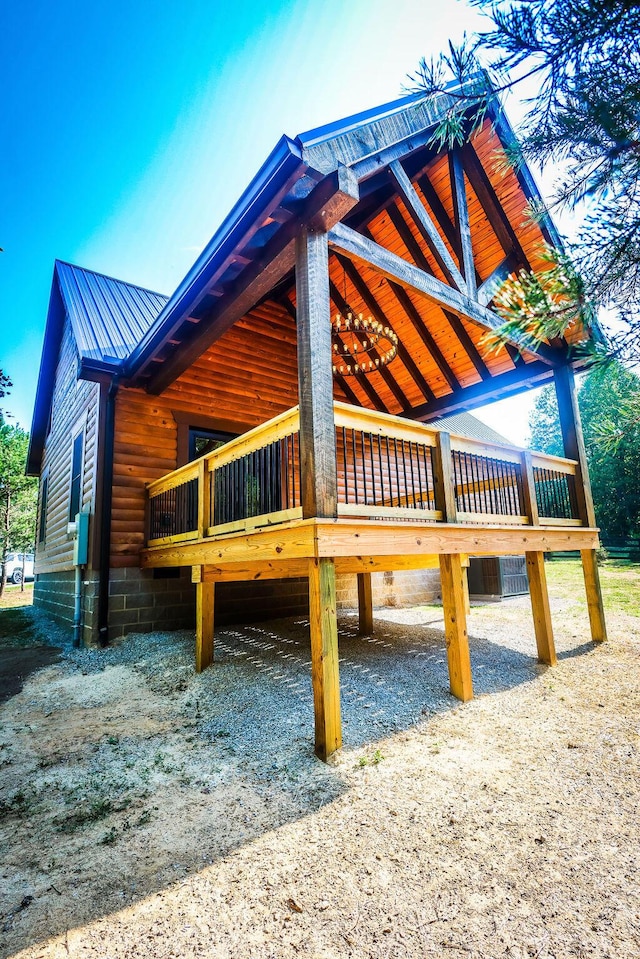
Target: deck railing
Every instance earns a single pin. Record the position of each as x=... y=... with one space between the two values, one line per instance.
x=388 y=468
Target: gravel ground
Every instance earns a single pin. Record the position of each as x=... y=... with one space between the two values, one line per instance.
x=147 y=811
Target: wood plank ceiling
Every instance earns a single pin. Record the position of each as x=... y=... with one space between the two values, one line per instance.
x=440 y=355
x=413 y=210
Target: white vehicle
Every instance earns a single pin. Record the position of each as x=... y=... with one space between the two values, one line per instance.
x=15 y=568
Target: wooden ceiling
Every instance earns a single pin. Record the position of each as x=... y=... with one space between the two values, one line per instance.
x=416 y=211
x=440 y=355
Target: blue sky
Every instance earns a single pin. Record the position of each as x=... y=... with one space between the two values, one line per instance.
x=128 y=130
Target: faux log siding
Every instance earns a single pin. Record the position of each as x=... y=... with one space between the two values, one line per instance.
x=73 y=400
x=247 y=377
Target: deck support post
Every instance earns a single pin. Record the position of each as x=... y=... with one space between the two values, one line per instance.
x=455 y=626
x=537 y=577
x=594 y=595
x=324 y=656
x=464 y=562
x=365 y=604
x=575 y=449
x=205 y=593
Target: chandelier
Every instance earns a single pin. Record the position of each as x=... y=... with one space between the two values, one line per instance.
x=361 y=344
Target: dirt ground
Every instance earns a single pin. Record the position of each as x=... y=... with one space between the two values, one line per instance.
x=149 y=812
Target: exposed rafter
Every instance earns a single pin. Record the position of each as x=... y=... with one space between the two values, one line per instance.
x=427 y=227
x=327 y=204
x=420 y=260
x=459 y=192
x=374 y=307
x=362 y=378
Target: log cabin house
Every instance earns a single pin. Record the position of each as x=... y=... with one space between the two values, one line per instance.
x=254 y=435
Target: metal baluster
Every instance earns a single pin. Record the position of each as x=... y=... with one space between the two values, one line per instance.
x=381 y=473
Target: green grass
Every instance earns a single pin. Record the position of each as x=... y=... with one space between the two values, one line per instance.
x=16 y=628
x=620 y=582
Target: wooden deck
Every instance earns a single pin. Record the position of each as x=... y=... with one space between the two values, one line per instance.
x=408 y=497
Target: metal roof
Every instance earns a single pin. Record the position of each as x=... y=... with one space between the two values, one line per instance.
x=468 y=425
x=108 y=317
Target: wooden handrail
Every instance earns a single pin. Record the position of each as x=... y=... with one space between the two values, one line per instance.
x=360 y=420
x=559 y=464
x=383 y=424
x=270 y=432
x=176 y=478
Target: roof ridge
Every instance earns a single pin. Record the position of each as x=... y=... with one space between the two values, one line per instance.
x=113 y=279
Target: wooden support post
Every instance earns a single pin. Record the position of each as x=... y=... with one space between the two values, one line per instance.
x=365 y=604
x=205 y=593
x=324 y=656
x=444 y=484
x=530 y=505
x=464 y=562
x=594 y=595
x=540 y=607
x=574 y=448
x=573 y=440
x=455 y=627
x=319 y=475
x=204 y=498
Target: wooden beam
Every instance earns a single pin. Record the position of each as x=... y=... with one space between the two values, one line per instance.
x=329 y=202
x=537 y=577
x=455 y=627
x=459 y=192
x=318 y=470
x=359 y=248
x=527 y=376
x=365 y=604
x=440 y=214
x=324 y=657
x=205 y=595
x=427 y=227
x=350 y=537
x=418 y=257
x=490 y=287
x=594 y=595
x=493 y=210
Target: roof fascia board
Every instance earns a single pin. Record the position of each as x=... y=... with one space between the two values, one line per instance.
x=363 y=136
x=283 y=164
x=46 y=377
x=326 y=205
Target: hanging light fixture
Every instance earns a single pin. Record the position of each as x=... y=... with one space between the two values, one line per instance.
x=361 y=344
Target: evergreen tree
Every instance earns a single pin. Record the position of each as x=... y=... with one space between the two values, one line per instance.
x=585 y=56
x=612 y=438
x=18 y=496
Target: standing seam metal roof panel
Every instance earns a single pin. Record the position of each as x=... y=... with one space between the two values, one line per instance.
x=108 y=316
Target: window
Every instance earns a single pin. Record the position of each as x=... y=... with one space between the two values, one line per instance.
x=203 y=441
x=42 y=528
x=76 y=477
